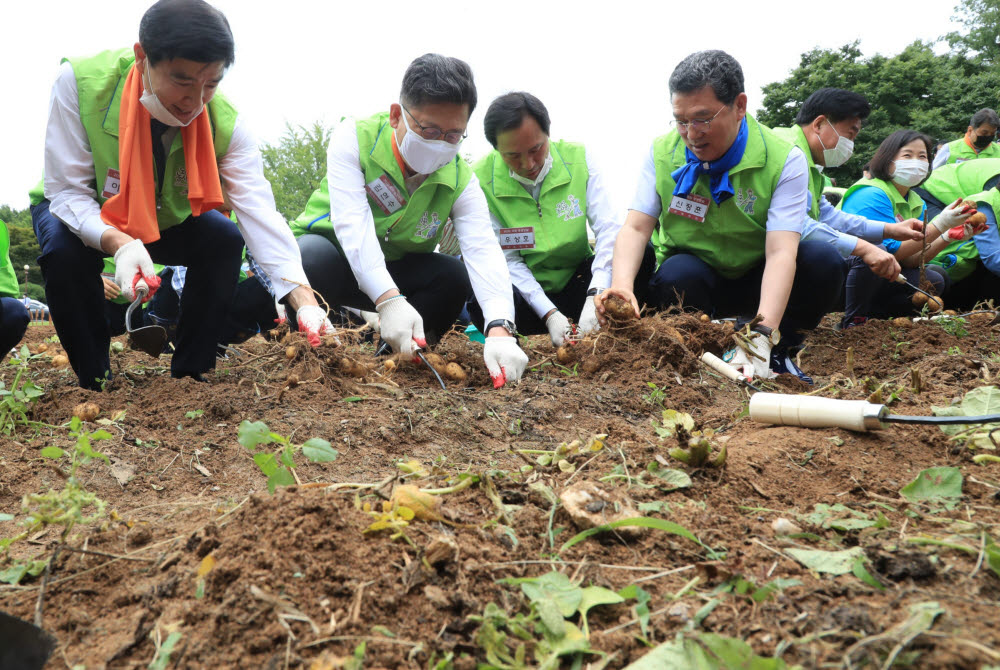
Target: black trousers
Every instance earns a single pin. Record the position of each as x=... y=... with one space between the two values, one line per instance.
x=569 y=300
x=209 y=245
x=436 y=285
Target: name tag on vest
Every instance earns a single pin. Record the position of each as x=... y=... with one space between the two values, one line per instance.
x=112 y=183
x=385 y=194
x=899 y=218
x=517 y=238
x=692 y=207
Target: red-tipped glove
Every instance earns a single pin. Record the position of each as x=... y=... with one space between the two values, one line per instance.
x=313 y=322
x=132 y=264
x=504 y=359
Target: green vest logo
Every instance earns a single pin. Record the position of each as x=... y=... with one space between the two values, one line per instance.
x=745 y=202
x=428 y=225
x=569 y=208
x=181 y=177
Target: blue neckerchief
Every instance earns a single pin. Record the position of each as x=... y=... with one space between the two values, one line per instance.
x=687 y=175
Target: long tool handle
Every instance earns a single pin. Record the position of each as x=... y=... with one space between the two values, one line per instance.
x=815 y=412
x=141 y=289
x=725 y=369
x=900 y=279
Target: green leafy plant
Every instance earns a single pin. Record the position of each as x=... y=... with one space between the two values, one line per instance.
x=16 y=401
x=977 y=402
x=655 y=395
x=278 y=465
x=70 y=506
x=953 y=325
x=695 y=446
x=561 y=456
x=705 y=651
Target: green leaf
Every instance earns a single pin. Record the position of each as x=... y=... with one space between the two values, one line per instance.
x=319 y=451
x=642 y=599
x=15 y=573
x=556 y=588
x=287 y=458
x=194 y=414
x=282 y=477
x=674 y=420
x=992 y=552
x=353 y=398
x=593 y=596
x=673 y=479
x=977 y=402
x=934 y=484
x=830 y=562
x=162 y=659
x=639 y=521
x=705 y=651
x=267 y=463
x=6 y=517
x=252 y=434
x=52 y=452
x=861 y=572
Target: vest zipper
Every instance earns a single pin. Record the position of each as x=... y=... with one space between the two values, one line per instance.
x=388 y=230
x=539 y=206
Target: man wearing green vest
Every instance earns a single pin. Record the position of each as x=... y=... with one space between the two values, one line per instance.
x=724 y=200
x=973 y=264
x=14 y=317
x=137 y=148
x=825 y=129
x=979 y=141
x=368 y=234
x=541 y=195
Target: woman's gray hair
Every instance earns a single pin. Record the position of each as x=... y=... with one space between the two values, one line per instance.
x=709 y=68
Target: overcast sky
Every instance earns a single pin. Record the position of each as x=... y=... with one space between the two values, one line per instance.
x=600 y=67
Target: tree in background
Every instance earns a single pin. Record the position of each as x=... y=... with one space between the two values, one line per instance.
x=296 y=165
x=980 y=39
x=916 y=88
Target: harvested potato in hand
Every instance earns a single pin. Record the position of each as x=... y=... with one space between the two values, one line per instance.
x=618 y=310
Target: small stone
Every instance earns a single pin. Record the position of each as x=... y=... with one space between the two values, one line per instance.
x=437 y=596
x=782 y=526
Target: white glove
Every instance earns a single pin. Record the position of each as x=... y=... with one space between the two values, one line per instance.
x=313 y=322
x=504 y=359
x=132 y=263
x=401 y=326
x=953 y=215
x=751 y=366
x=588 y=317
x=281 y=312
x=371 y=319
x=558 y=326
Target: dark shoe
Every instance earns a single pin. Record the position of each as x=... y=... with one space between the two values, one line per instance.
x=193 y=375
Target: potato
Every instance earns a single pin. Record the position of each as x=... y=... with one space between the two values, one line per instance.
x=291 y=353
x=935 y=304
x=425 y=506
x=389 y=365
x=436 y=361
x=292 y=380
x=565 y=354
x=902 y=321
x=42 y=348
x=705 y=317
x=87 y=411
x=352 y=368
x=592 y=364
x=454 y=372
x=976 y=219
x=60 y=361
x=618 y=310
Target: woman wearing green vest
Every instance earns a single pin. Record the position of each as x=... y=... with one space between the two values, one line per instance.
x=541 y=195
x=14 y=317
x=979 y=141
x=724 y=200
x=900 y=164
x=137 y=147
x=368 y=234
x=972 y=264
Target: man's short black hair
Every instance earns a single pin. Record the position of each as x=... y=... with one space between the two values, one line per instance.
x=987 y=116
x=835 y=104
x=709 y=68
x=508 y=112
x=886 y=152
x=189 y=29
x=436 y=78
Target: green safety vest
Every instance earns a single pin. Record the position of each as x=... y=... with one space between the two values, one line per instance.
x=558 y=219
x=959 y=151
x=910 y=208
x=817 y=180
x=950 y=182
x=731 y=238
x=405 y=223
x=100 y=80
x=960 y=258
x=8 y=278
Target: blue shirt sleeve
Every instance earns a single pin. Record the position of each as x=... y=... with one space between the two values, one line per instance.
x=988 y=241
x=871 y=203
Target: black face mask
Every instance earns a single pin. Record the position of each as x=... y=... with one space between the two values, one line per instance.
x=983 y=141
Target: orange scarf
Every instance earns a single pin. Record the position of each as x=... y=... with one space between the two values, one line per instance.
x=133 y=209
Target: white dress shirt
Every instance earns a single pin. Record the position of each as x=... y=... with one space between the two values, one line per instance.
x=603 y=221
x=788 y=202
x=70 y=188
x=354 y=226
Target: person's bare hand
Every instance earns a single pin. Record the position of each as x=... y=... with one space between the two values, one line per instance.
x=911 y=229
x=111 y=290
x=623 y=293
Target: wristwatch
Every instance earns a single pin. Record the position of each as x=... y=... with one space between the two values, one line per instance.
x=595 y=291
x=772 y=334
x=503 y=323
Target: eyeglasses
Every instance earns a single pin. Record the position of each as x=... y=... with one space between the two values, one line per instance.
x=435 y=133
x=698 y=124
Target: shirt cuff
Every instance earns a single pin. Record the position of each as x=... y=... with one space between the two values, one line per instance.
x=846 y=244
x=874 y=232
x=285 y=281
x=542 y=305
x=92 y=230
x=375 y=282
x=601 y=279
x=497 y=308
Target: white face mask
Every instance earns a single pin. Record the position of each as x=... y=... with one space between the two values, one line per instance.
x=839 y=154
x=910 y=171
x=425 y=156
x=156 y=108
x=546 y=166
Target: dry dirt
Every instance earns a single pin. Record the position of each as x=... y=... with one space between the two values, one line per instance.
x=297 y=583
